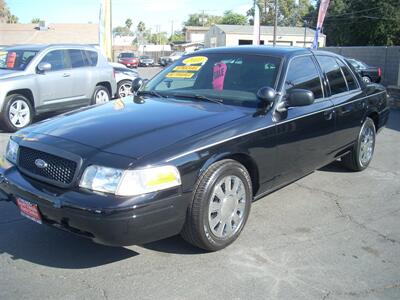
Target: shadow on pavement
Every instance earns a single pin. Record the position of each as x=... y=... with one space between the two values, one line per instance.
x=174 y=245
x=335 y=167
x=40 y=244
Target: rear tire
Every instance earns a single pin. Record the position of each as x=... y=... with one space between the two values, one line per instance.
x=100 y=95
x=220 y=206
x=366 y=79
x=361 y=155
x=17 y=113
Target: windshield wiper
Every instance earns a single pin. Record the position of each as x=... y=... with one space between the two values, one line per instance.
x=152 y=93
x=198 y=97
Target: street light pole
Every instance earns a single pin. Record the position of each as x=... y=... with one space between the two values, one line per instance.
x=305 y=33
x=275 y=22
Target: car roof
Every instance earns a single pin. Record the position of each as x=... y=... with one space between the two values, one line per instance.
x=41 y=47
x=257 y=50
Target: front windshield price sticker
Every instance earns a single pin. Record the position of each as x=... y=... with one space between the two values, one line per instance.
x=179 y=75
x=187 y=68
x=195 y=60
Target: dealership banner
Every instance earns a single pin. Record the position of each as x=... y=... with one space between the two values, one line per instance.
x=323 y=7
x=105 y=36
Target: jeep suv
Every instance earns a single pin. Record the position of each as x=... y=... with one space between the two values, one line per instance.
x=45 y=78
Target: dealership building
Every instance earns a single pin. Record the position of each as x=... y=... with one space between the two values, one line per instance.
x=234 y=35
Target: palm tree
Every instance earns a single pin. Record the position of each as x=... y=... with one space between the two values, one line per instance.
x=141 y=27
x=128 y=23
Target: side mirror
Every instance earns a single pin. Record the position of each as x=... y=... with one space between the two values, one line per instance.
x=137 y=83
x=44 y=67
x=266 y=94
x=299 y=97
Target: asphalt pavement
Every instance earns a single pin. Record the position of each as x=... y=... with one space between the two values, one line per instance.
x=334 y=234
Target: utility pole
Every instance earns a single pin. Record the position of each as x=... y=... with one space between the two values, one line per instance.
x=172 y=28
x=275 y=21
x=305 y=33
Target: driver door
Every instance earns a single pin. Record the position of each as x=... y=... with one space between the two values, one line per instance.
x=55 y=85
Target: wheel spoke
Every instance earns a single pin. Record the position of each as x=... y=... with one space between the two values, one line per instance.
x=213 y=222
x=228 y=184
x=228 y=227
x=215 y=206
x=219 y=193
x=220 y=228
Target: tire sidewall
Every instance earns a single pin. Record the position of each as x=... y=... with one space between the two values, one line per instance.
x=122 y=83
x=9 y=126
x=96 y=91
x=234 y=169
x=368 y=122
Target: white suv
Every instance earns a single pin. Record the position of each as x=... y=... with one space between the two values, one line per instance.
x=41 y=78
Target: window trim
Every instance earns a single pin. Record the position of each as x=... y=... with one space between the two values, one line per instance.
x=330 y=89
x=283 y=90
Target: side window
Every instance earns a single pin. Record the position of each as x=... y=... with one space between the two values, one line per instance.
x=56 y=59
x=303 y=74
x=351 y=81
x=92 y=58
x=335 y=77
x=77 y=59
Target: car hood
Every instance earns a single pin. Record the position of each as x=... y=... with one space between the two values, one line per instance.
x=4 y=74
x=131 y=129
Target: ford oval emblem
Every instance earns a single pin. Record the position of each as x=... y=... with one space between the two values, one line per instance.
x=41 y=164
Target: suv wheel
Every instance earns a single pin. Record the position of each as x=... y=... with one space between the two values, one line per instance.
x=17 y=113
x=220 y=206
x=100 y=95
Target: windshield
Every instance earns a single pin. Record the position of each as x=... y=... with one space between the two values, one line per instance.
x=145 y=57
x=127 y=55
x=357 y=64
x=233 y=78
x=16 y=59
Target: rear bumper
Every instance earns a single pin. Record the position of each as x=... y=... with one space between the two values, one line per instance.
x=117 y=222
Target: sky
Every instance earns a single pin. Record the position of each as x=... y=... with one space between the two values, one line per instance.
x=151 y=12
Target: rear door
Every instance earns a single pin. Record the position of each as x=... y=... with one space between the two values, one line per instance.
x=304 y=134
x=346 y=95
x=81 y=76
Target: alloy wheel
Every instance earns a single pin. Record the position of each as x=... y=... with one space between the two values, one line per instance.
x=19 y=114
x=102 y=97
x=125 y=90
x=227 y=207
x=366 y=145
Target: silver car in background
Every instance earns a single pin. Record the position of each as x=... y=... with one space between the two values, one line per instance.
x=35 y=79
x=124 y=77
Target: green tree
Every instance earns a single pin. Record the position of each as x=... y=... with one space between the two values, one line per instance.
x=202 y=20
x=141 y=27
x=4 y=12
x=122 y=30
x=178 y=36
x=158 y=38
x=128 y=23
x=12 y=19
x=361 y=23
x=35 y=20
x=233 y=18
x=290 y=12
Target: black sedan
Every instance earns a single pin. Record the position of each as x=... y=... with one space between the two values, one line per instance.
x=195 y=146
x=368 y=73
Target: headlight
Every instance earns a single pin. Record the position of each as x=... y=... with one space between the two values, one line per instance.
x=130 y=182
x=12 y=151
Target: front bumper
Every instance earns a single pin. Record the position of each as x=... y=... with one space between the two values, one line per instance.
x=105 y=219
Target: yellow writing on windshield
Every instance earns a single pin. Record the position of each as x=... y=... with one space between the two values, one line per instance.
x=179 y=75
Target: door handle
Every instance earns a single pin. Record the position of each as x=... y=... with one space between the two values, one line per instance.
x=328 y=114
x=66 y=75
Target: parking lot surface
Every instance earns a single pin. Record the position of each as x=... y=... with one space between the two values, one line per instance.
x=331 y=235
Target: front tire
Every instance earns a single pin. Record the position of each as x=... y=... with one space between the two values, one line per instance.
x=17 y=113
x=361 y=155
x=220 y=206
x=366 y=79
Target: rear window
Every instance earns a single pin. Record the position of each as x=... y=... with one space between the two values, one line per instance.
x=16 y=59
x=92 y=58
x=351 y=81
x=332 y=70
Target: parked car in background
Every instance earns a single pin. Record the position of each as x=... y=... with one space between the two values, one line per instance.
x=146 y=61
x=128 y=59
x=44 y=78
x=195 y=146
x=167 y=60
x=124 y=77
x=367 y=73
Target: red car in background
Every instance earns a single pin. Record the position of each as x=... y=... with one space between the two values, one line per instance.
x=128 y=59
